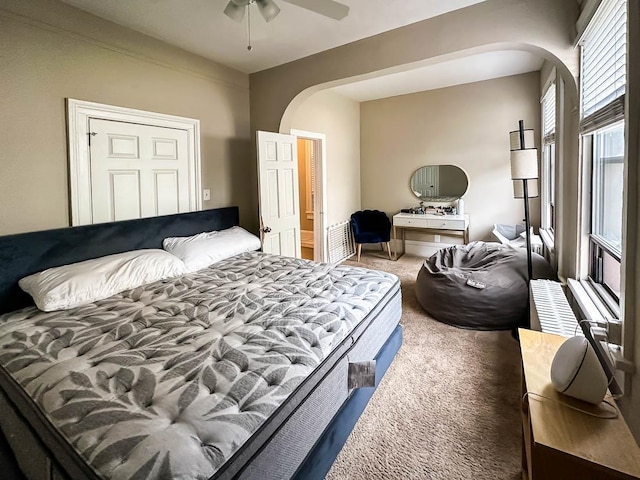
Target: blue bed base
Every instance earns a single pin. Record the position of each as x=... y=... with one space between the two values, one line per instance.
x=323 y=454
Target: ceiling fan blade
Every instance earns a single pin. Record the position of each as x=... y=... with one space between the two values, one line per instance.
x=268 y=9
x=235 y=11
x=328 y=8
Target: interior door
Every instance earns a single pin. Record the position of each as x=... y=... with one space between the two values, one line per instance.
x=137 y=171
x=431 y=181
x=278 y=193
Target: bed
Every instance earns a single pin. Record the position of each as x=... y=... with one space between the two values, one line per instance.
x=238 y=370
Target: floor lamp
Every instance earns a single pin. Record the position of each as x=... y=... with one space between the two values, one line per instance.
x=524 y=173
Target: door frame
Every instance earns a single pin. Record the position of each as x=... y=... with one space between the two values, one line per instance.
x=78 y=114
x=320 y=189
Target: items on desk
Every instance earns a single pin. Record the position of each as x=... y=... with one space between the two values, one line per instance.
x=421 y=210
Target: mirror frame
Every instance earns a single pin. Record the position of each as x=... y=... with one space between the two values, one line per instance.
x=440 y=198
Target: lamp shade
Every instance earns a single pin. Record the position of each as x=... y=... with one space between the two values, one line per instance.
x=524 y=164
x=532 y=188
x=514 y=139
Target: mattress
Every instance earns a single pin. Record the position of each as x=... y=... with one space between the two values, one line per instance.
x=189 y=377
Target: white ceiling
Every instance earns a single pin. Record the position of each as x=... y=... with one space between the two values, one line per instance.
x=199 y=26
x=474 y=68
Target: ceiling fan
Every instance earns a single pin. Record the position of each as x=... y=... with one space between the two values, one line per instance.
x=235 y=9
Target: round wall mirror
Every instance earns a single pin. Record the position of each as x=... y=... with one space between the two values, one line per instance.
x=439 y=183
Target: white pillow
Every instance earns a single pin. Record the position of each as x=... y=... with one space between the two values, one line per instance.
x=204 y=249
x=524 y=234
x=69 y=286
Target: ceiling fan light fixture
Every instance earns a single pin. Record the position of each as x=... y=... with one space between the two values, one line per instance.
x=268 y=9
x=234 y=11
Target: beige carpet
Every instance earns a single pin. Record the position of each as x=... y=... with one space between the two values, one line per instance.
x=448 y=407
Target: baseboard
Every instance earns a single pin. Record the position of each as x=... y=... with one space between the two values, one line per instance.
x=420 y=249
x=413 y=247
x=375 y=246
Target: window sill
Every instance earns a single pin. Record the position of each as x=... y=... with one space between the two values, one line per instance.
x=594 y=309
x=608 y=334
x=547 y=240
x=590 y=306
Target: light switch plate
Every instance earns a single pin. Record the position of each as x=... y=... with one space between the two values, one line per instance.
x=206 y=194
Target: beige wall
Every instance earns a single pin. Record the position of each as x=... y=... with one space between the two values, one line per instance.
x=51 y=51
x=542 y=26
x=545 y=27
x=467 y=126
x=339 y=119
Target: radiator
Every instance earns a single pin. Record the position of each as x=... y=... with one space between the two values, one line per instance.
x=550 y=310
x=340 y=242
x=551 y=313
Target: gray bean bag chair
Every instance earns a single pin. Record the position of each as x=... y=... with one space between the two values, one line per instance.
x=482 y=286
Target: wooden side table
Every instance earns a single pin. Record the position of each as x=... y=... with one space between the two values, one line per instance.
x=559 y=442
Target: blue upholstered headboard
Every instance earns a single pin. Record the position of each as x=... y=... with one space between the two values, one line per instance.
x=27 y=253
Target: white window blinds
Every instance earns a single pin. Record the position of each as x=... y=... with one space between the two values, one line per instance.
x=604 y=52
x=549 y=114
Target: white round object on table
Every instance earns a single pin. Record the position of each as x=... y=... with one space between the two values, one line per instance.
x=577 y=372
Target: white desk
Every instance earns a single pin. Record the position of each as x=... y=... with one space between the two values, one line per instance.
x=457 y=225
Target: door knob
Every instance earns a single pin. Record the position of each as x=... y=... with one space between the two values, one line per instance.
x=266 y=229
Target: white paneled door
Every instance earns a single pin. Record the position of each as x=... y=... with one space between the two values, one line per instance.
x=137 y=170
x=278 y=193
x=427 y=181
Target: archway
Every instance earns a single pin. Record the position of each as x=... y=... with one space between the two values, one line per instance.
x=568 y=160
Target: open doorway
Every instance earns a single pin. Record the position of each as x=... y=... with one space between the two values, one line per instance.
x=306 y=176
x=312 y=194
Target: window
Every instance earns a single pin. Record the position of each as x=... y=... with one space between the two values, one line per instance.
x=607 y=178
x=603 y=82
x=549 y=159
x=606 y=207
x=604 y=52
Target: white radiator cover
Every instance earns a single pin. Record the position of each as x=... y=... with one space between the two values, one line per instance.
x=550 y=310
x=551 y=313
x=340 y=242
